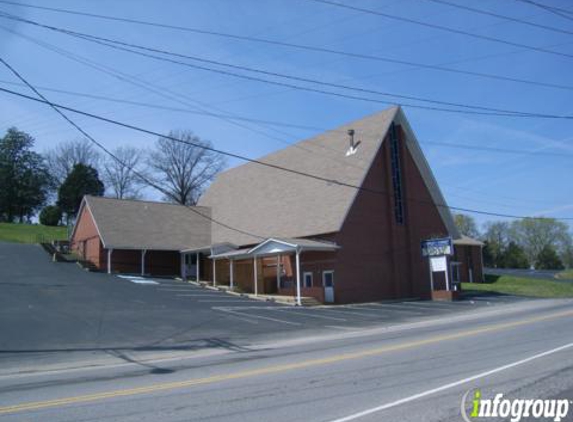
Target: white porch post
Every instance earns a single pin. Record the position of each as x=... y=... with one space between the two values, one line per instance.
x=255 y=273
x=143 y=252
x=298 y=301
x=198 y=264
x=231 y=271
x=447 y=276
x=109 y=251
x=214 y=272
x=278 y=272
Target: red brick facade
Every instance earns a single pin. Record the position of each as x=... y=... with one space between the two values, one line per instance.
x=470 y=263
x=87 y=243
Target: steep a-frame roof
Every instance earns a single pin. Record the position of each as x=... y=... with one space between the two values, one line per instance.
x=272 y=203
x=131 y=224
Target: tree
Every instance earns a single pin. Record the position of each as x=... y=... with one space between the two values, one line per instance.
x=496 y=239
x=63 y=157
x=466 y=225
x=82 y=180
x=566 y=254
x=24 y=178
x=183 y=169
x=548 y=259
x=514 y=257
x=51 y=215
x=119 y=175
x=535 y=234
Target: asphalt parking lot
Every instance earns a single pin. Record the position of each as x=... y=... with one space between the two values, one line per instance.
x=58 y=307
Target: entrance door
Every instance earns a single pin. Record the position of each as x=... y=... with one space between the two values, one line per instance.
x=328 y=283
x=191 y=266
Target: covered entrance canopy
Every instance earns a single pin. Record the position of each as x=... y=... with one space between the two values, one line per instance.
x=273 y=247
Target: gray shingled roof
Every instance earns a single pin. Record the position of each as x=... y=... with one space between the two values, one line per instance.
x=273 y=203
x=467 y=241
x=130 y=224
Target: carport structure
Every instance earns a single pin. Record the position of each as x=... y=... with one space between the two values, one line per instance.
x=279 y=248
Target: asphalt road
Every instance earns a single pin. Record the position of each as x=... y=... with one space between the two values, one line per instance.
x=528 y=273
x=404 y=361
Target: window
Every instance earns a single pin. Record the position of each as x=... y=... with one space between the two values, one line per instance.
x=328 y=278
x=396 y=176
x=307 y=279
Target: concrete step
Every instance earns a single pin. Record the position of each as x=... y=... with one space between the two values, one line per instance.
x=310 y=301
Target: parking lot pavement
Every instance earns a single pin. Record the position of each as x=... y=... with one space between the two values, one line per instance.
x=49 y=308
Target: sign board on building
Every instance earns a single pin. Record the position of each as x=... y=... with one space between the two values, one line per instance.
x=437 y=247
x=438 y=263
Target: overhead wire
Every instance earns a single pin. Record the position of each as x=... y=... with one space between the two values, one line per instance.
x=442 y=28
x=279 y=43
x=58 y=110
x=260 y=162
x=123 y=46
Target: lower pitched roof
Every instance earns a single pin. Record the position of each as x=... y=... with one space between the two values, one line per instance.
x=132 y=224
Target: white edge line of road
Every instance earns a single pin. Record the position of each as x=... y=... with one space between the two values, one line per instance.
x=426 y=393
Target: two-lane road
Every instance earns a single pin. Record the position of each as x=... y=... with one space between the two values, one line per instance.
x=414 y=373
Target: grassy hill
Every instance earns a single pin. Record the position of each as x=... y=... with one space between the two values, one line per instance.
x=520 y=286
x=30 y=233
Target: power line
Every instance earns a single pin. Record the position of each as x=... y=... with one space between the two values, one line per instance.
x=505 y=17
x=103 y=148
x=263 y=163
x=443 y=28
x=300 y=46
x=120 y=46
x=564 y=13
x=168 y=108
x=286 y=124
x=499 y=150
x=166 y=93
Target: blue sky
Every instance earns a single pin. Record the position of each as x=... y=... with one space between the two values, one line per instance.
x=532 y=183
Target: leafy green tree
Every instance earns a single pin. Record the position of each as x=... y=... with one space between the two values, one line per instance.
x=496 y=239
x=466 y=225
x=514 y=257
x=24 y=178
x=536 y=234
x=82 y=180
x=51 y=215
x=548 y=260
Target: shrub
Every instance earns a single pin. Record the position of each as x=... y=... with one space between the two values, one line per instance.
x=51 y=215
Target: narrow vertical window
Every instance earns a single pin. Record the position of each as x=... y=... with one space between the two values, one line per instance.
x=396 y=176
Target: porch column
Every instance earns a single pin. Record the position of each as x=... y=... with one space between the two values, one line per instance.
x=231 y=271
x=109 y=251
x=278 y=272
x=183 y=267
x=298 y=301
x=214 y=272
x=143 y=252
x=198 y=264
x=255 y=273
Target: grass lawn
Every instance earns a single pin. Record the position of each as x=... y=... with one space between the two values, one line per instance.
x=31 y=233
x=521 y=287
x=565 y=275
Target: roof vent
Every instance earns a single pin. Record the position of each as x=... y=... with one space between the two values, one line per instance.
x=353 y=145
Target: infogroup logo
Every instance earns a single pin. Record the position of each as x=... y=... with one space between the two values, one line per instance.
x=513 y=409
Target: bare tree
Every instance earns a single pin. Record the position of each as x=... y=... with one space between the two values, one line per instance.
x=184 y=169
x=63 y=157
x=120 y=175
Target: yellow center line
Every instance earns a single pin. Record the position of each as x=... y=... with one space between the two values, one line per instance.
x=272 y=369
